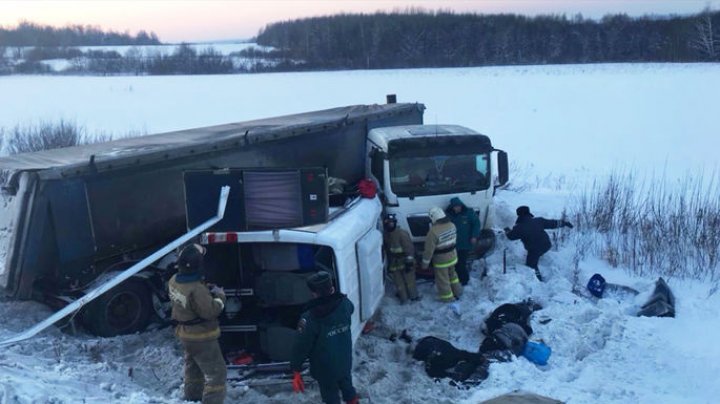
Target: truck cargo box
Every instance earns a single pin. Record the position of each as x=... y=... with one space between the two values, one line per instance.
x=78 y=212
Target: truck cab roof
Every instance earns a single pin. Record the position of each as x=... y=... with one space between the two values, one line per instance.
x=383 y=136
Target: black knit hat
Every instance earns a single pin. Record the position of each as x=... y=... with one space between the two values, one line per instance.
x=190 y=258
x=523 y=211
x=320 y=283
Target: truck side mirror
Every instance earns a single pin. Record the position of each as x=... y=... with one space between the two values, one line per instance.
x=503 y=170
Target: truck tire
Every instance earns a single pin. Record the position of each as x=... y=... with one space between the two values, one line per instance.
x=124 y=309
x=485 y=245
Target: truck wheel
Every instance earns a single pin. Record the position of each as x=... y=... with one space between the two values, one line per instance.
x=486 y=242
x=124 y=309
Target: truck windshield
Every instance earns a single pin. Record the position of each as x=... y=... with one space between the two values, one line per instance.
x=439 y=174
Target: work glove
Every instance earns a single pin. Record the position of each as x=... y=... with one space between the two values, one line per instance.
x=297 y=383
x=567 y=224
x=409 y=266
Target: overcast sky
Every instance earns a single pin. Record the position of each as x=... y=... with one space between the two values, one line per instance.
x=189 y=20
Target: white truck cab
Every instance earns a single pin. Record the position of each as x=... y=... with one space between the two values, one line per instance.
x=420 y=166
x=264 y=274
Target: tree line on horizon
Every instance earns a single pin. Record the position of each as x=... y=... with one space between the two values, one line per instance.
x=184 y=59
x=414 y=38
x=32 y=34
x=418 y=38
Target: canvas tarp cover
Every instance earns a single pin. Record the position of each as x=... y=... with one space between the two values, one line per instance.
x=194 y=142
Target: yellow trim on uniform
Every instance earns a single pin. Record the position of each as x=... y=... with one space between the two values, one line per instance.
x=454 y=280
x=447 y=264
x=448 y=295
x=214 y=389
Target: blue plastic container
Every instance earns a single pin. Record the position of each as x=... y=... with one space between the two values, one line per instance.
x=537 y=353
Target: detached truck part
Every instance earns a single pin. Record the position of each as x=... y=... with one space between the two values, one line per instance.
x=264 y=271
x=122 y=276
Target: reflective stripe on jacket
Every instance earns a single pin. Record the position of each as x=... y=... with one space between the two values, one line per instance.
x=440 y=245
x=191 y=301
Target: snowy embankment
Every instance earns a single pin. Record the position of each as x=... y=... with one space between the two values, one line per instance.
x=602 y=352
x=563 y=126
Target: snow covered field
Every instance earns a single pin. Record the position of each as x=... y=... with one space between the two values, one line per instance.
x=562 y=126
x=570 y=121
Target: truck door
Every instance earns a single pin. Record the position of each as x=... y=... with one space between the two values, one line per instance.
x=370 y=272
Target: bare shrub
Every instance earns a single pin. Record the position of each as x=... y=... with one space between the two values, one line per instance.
x=50 y=135
x=45 y=136
x=652 y=228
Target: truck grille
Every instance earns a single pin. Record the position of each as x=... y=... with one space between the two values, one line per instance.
x=419 y=225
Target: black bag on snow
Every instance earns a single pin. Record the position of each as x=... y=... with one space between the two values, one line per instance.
x=518 y=313
x=442 y=359
x=661 y=303
x=510 y=338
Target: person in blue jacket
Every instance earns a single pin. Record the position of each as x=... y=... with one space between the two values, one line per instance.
x=531 y=231
x=468 y=230
x=325 y=336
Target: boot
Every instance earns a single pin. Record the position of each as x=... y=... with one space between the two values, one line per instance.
x=539 y=276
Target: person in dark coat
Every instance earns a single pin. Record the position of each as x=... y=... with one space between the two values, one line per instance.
x=468 y=230
x=325 y=336
x=531 y=231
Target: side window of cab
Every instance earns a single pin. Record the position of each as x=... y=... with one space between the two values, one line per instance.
x=377 y=161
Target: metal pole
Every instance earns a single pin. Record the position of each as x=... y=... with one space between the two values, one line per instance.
x=505 y=261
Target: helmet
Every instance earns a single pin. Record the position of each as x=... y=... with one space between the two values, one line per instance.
x=190 y=258
x=389 y=222
x=596 y=285
x=436 y=214
x=320 y=283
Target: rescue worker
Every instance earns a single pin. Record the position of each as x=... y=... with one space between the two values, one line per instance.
x=195 y=309
x=531 y=230
x=467 y=225
x=325 y=336
x=440 y=250
x=401 y=254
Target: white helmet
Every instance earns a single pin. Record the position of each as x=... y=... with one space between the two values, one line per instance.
x=436 y=214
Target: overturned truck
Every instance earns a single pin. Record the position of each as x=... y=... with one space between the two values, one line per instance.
x=73 y=216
